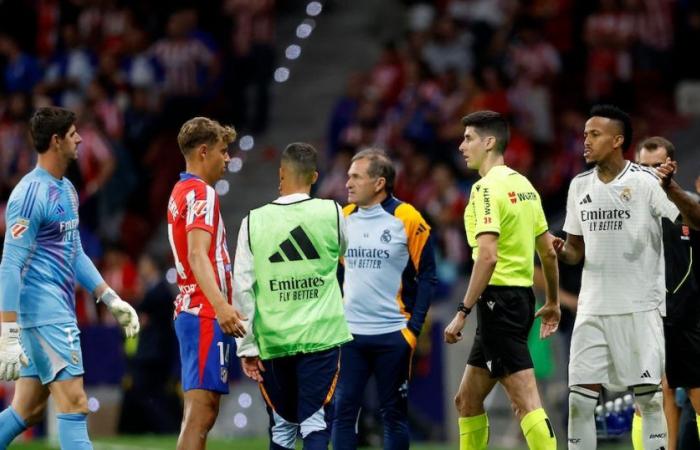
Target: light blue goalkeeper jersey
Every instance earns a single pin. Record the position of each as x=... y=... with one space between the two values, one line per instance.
x=43 y=251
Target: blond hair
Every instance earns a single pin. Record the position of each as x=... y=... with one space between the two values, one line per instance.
x=202 y=130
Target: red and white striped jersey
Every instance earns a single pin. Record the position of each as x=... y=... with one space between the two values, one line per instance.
x=194 y=204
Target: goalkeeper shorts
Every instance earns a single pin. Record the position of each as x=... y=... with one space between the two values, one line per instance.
x=53 y=351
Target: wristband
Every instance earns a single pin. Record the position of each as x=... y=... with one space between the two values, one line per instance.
x=463 y=309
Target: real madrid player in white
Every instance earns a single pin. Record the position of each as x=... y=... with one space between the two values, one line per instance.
x=613 y=222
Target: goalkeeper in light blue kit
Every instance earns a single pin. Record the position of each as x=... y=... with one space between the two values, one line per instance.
x=42 y=259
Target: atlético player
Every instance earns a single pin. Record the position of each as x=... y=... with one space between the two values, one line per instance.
x=205 y=319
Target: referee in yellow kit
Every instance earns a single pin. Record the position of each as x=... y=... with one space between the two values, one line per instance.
x=505 y=224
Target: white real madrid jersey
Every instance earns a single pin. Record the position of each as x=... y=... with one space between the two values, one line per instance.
x=620 y=222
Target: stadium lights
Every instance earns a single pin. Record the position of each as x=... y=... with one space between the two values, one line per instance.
x=281 y=74
x=314 y=9
x=171 y=276
x=221 y=187
x=245 y=400
x=240 y=420
x=246 y=143
x=235 y=165
x=305 y=28
x=292 y=52
x=93 y=404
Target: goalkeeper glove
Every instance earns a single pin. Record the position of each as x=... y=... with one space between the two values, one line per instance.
x=122 y=311
x=11 y=353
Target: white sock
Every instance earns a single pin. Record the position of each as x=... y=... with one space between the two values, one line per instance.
x=582 y=403
x=654 y=429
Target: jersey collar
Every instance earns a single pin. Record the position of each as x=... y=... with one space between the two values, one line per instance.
x=184 y=176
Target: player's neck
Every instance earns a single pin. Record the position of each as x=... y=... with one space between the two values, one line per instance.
x=376 y=200
x=52 y=164
x=610 y=168
x=199 y=172
x=293 y=188
x=489 y=163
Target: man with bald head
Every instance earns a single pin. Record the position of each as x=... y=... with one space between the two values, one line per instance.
x=613 y=223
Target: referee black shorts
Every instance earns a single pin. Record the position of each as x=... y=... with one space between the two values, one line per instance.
x=505 y=315
x=682 y=355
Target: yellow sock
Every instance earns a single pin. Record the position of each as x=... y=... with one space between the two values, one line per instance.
x=637 y=436
x=474 y=432
x=697 y=422
x=538 y=431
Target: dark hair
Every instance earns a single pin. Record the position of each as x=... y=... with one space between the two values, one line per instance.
x=203 y=130
x=46 y=122
x=303 y=159
x=612 y=112
x=379 y=166
x=489 y=123
x=656 y=142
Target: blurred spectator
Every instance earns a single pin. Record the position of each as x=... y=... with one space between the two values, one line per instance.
x=250 y=62
x=448 y=48
x=120 y=272
x=22 y=71
x=151 y=403
x=17 y=156
x=70 y=71
x=345 y=111
x=609 y=35
x=189 y=66
x=533 y=63
x=333 y=183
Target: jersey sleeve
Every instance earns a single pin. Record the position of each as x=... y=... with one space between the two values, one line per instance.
x=541 y=225
x=572 y=223
x=201 y=207
x=661 y=206
x=486 y=209
x=422 y=257
x=25 y=214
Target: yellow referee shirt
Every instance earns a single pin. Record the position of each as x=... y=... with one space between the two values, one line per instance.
x=504 y=202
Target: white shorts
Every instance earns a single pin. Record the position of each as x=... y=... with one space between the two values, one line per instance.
x=619 y=350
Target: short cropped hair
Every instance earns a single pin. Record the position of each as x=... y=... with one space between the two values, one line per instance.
x=379 y=166
x=612 y=112
x=46 y=122
x=656 y=142
x=203 y=130
x=489 y=123
x=302 y=158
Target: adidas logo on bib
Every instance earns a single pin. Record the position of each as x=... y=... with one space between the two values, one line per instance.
x=289 y=249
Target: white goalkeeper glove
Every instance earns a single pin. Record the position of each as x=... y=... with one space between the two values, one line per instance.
x=11 y=353
x=122 y=311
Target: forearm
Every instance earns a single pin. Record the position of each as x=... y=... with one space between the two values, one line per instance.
x=204 y=274
x=689 y=208
x=570 y=255
x=425 y=289
x=88 y=276
x=11 y=281
x=481 y=275
x=551 y=278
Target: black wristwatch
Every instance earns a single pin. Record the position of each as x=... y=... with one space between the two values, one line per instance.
x=463 y=309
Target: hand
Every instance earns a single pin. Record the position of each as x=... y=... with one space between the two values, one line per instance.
x=230 y=320
x=453 y=332
x=550 y=314
x=666 y=171
x=124 y=313
x=253 y=368
x=11 y=353
x=558 y=244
